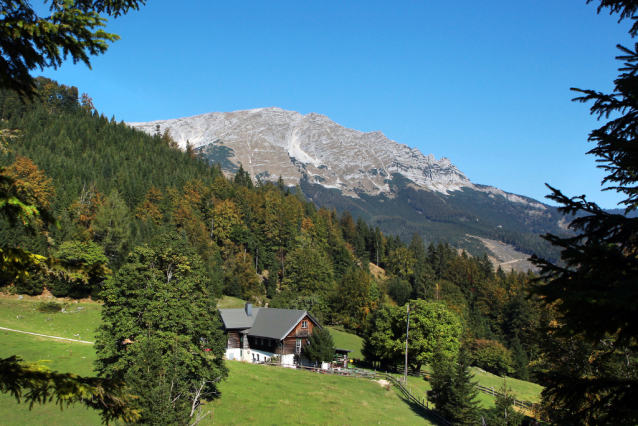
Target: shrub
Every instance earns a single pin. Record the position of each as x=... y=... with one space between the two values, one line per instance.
x=49 y=307
x=399 y=290
x=33 y=286
x=491 y=356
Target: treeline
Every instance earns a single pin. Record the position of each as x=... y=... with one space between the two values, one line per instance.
x=115 y=189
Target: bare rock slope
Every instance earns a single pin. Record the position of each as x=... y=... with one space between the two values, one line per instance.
x=271 y=142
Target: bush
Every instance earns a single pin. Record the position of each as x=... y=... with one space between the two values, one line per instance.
x=49 y=307
x=89 y=254
x=491 y=356
x=399 y=290
x=320 y=347
x=33 y=286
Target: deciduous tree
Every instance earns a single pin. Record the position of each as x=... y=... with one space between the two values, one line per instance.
x=432 y=327
x=161 y=297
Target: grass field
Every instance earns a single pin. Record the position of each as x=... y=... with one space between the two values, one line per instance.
x=63 y=356
x=268 y=395
x=345 y=340
x=524 y=390
x=79 y=322
x=229 y=302
x=280 y=396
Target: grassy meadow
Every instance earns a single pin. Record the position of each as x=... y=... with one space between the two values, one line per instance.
x=229 y=302
x=252 y=393
x=80 y=321
x=343 y=340
x=281 y=396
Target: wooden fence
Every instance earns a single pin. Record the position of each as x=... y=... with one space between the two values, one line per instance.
x=367 y=374
x=408 y=395
x=526 y=405
x=398 y=382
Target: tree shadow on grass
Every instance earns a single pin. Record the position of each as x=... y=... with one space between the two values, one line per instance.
x=419 y=409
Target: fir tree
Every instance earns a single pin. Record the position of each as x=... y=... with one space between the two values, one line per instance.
x=504 y=413
x=320 y=347
x=441 y=381
x=462 y=406
x=520 y=359
x=594 y=288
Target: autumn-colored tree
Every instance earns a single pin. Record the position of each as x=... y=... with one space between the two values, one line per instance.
x=84 y=210
x=87 y=102
x=353 y=299
x=31 y=183
x=239 y=272
x=150 y=207
x=227 y=220
x=167 y=138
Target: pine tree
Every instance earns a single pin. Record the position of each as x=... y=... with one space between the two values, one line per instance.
x=520 y=359
x=462 y=406
x=320 y=347
x=594 y=288
x=504 y=413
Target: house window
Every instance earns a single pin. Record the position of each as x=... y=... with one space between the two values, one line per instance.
x=304 y=324
x=269 y=342
x=298 y=346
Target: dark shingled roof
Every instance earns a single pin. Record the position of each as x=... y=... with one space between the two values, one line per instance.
x=237 y=318
x=275 y=323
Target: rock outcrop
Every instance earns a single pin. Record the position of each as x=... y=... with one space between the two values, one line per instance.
x=271 y=142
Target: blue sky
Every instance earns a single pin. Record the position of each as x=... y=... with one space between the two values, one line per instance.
x=484 y=83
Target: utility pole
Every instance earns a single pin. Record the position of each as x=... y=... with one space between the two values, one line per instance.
x=407 y=332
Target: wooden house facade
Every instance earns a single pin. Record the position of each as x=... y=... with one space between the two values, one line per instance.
x=259 y=334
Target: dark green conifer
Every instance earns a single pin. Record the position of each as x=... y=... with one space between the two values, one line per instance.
x=504 y=413
x=463 y=406
x=320 y=347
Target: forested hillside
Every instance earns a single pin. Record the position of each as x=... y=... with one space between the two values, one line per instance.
x=449 y=217
x=115 y=189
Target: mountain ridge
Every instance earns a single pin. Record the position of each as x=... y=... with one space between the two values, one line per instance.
x=312 y=144
x=391 y=184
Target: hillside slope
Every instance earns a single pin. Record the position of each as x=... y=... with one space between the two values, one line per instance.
x=389 y=184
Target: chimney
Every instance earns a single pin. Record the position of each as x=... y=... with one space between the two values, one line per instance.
x=249 y=309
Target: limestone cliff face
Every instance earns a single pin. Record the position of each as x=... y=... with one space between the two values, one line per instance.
x=271 y=142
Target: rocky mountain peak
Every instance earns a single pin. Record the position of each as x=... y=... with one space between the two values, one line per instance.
x=272 y=142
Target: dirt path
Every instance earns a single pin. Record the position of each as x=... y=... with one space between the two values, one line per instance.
x=44 y=335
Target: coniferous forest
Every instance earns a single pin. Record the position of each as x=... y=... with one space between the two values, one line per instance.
x=115 y=189
x=91 y=208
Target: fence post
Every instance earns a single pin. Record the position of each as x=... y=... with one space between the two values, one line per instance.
x=492 y=390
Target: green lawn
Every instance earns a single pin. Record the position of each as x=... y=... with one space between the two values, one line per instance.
x=252 y=393
x=280 y=396
x=79 y=322
x=64 y=356
x=345 y=340
x=229 y=302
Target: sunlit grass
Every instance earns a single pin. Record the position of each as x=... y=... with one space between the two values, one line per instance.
x=80 y=321
x=343 y=340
